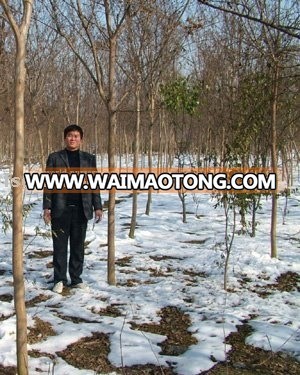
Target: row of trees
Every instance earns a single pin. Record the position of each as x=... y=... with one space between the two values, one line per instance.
x=231 y=63
x=170 y=77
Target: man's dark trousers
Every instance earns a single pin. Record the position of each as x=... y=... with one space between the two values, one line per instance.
x=72 y=223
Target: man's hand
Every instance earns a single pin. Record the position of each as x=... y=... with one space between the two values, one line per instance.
x=47 y=216
x=98 y=215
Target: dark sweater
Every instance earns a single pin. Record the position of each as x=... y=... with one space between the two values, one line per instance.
x=74 y=163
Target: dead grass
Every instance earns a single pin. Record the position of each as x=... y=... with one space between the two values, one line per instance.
x=6 y=297
x=286 y=282
x=40 y=254
x=89 y=353
x=36 y=300
x=40 y=331
x=10 y=370
x=158 y=258
x=92 y=353
x=174 y=324
x=108 y=311
x=247 y=360
x=124 y=262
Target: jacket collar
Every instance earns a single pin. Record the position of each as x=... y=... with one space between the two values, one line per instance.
x=64 y=156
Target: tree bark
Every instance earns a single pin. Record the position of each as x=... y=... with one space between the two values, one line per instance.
x=274 y=161
x=111 y=273
x=136 y=158
x=20 y=33
x=19 y=288
x=112 y=127
x=150 y=148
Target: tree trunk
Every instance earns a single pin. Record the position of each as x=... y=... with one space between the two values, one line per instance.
x=150 y=147
x=111 y=273
x=253 y=219
x=40 y=137
x=19 y=289
x=96 y=133
x=274 y=162
x=135 y=159
x=112 y=127
x=182 y=197
x=228 y=240
x=20 y=33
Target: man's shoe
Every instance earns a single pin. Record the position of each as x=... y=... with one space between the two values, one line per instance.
x=58 y=287
x=80 y=286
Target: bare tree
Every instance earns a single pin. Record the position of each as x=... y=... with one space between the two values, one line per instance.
x=42 y=49
x=163 y=34
x=6 y=92
x=20 y=32
x=98 y=26
x=277 y=50
x=254 y=82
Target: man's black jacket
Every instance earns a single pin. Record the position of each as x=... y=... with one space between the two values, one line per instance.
x=56 y=201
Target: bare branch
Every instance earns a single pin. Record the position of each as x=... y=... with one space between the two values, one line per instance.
x=10 y=17
x=99 y=72
x=282 y=28
x=27 y=5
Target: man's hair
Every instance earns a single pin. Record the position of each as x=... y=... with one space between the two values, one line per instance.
x=73 y=128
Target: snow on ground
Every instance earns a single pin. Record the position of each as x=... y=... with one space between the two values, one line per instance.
x=195 y=246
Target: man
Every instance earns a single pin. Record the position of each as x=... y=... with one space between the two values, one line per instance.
x=70 y=212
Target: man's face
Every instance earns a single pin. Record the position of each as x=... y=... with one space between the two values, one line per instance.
x=73 y=141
